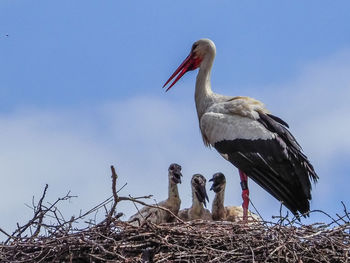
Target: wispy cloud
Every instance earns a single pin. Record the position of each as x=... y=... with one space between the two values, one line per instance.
x=316 y=105
x=319 y=105
x=72 y=149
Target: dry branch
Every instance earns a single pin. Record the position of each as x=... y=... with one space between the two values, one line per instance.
x=209 y=242
x=198 y=241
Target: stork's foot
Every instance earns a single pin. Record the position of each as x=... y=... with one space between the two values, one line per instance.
x=245 y=195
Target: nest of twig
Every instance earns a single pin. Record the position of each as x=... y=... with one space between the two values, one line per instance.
x=198 y=241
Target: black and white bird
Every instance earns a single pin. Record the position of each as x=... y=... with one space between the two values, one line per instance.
x=199 y=197
x=243 y=131
x=220 y=212
x=156 y=215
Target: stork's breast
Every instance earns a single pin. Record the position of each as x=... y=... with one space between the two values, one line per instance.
x=218 y=127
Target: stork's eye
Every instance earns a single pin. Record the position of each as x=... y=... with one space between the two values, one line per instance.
x=194 y=46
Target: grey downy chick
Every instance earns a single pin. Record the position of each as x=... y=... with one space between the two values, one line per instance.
x=219 y=211
x=199 y=198
x=173 y=202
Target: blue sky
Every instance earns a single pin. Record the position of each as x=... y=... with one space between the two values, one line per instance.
x=81 y=89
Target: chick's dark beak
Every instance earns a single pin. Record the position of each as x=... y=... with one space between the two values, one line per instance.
x=175 y=173
x=201 y=194
x=218 y=182
x=211 y=180
x=216 y=187
x=177 y=177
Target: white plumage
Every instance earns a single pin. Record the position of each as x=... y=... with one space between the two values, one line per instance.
x=218 y=127
x=242 y=130
x=199 y=195
x=172 y=203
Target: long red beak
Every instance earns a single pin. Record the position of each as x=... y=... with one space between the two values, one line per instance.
x=187 y=65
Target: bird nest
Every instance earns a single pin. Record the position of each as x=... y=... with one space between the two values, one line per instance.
x=113 y=240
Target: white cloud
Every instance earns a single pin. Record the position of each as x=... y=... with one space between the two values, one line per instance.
x=316 y=105
x=72 y=149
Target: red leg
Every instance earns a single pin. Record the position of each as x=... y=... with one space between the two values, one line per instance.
x=245 y=194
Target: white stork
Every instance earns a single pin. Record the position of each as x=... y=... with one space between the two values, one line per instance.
x=156 y=215
x=199 y=195
x=243 y=131
x=225 y=213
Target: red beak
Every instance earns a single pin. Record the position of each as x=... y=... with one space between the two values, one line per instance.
x=190 y=63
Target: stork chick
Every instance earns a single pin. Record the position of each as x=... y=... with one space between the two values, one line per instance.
x=157 y=215
x=219 y=211
x=199 y=197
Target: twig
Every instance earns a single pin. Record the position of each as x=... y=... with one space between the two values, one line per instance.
x=194 y=241
x=135 y=200
x=115 y=195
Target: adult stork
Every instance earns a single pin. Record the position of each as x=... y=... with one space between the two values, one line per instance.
x=243 y=131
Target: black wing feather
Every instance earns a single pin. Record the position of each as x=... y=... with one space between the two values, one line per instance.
x=279 y=120
x=277 y=165
x=304 y=167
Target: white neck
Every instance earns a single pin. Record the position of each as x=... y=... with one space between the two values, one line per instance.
x=218 y=209
x=203 y=94
x=197 y=206
x=173 y=193
x=173 y=202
